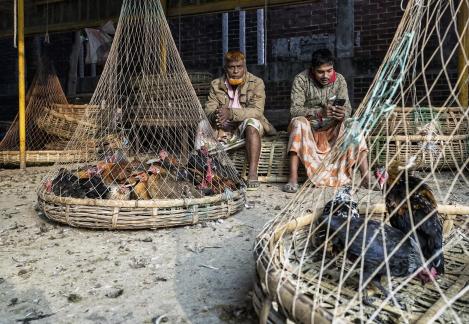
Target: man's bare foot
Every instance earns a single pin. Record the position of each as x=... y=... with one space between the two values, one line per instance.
x=290 y=187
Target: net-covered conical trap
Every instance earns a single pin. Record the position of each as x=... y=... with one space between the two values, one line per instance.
x=148 y=172
x=399 y=253
x=44 y=143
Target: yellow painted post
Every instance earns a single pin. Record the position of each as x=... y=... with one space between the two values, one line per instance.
x=21 y=82
x=463 y=68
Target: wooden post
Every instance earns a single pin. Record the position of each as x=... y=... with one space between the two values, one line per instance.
x=73 y=68
x=463 y=68
x=21 y=85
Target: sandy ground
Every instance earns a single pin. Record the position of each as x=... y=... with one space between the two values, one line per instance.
x=200 y=274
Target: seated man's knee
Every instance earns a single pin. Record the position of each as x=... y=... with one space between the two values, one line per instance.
x=300 y=119
x=298 y=122
x=251 y=131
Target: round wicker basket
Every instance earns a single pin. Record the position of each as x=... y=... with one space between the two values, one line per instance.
x=282 y=296
x=45 y=157
x=139 y=214
x=273 y=161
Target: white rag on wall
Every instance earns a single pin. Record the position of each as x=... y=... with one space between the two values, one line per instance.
x=99 y=43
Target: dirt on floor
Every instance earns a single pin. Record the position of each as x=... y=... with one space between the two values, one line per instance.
x=52 y=273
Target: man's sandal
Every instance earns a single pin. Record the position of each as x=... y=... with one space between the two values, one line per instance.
x=252 y=185
x=290 y=188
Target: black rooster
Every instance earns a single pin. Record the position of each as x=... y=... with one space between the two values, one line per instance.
x=380 y=240
x=86 y=184
x=402 y=191
x=65 y=184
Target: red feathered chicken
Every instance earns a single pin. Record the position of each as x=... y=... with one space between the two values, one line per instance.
x=402 y=191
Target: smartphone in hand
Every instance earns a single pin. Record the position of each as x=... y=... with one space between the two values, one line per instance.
x=338 y=102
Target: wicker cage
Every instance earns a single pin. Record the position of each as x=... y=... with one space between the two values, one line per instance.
x=448 y=152
x=406 y=120
x=139 y=214
x=273 y=161
x=62 y=122
x=275 y=302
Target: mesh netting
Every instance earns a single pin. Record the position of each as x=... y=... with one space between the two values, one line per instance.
x=44 y=93
x=144 y=118
x=323 y=254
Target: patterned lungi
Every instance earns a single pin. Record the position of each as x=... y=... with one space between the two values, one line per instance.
x=312 y=146
x=206 y=134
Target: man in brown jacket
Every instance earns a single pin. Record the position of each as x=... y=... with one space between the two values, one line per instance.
x=235 y=109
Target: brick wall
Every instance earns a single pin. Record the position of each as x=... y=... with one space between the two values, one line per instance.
x=199 y=40
x=200 y=44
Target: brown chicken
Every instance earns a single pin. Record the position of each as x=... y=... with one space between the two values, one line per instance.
x=213 y=183
x=161 y=185
x=113 y=173
x=404 y=190
x=86 y=172
x=140 y=189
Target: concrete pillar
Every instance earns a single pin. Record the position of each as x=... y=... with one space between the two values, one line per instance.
x=260 y=37
x=225 y=33
x=242 y=31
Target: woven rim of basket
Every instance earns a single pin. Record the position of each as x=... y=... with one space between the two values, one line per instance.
x=447 y=138
x=43 y=156
x=155 y=203
x=270 y=273
x=139 y=214
x=50 y=113
x=457 y=109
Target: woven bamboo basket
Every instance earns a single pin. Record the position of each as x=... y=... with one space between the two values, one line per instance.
x=63 y=124
x=407 y=120
x=275 y=302
x=75 y=111
x=45 y=157
x=273 y=161
x=454 y=150
x=139 y=214
x=198 y=77
x=154 y=86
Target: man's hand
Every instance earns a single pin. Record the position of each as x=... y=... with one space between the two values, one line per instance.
x=336 y=112
x=223 y=116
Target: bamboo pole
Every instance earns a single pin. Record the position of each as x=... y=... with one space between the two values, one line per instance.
x=378 y=208
x=463 y=54
x=21 y=84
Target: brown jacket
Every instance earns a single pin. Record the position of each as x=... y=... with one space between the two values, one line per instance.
x=251 y=99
